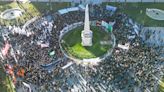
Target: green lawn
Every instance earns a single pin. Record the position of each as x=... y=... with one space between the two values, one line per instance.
x=161 y=86
x=137 y=11
x=5 y=82
x=32 y=9
x=134 y=10
x=73 y=43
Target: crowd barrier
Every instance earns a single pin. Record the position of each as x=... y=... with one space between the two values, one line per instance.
x=84 y=61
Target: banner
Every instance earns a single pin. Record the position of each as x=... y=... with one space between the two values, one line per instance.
x=107 y=26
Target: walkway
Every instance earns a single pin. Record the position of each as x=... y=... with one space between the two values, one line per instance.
x=156 y=14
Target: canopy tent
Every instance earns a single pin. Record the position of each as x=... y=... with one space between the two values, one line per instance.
x=81 y=6
x=111 y=8
x=66 y=10
x=63 y=11
x=72 y=9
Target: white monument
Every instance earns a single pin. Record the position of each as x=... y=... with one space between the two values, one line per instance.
x=86 y=34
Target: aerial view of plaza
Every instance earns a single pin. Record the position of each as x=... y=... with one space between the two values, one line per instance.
x=81 y=45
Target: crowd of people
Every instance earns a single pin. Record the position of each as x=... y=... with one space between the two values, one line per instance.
x=127 y=70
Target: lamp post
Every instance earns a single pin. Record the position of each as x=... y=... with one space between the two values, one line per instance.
x=50 y=5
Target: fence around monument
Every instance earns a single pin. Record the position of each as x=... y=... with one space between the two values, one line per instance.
x=84 y=61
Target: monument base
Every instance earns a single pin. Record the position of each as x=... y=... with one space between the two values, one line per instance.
x=86 y=38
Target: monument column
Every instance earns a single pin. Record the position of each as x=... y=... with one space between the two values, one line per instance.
x=86 y=22
x=86 y=34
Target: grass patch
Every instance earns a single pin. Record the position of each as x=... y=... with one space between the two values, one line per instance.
x=5 y=82
x=72 y=43
x=134 y=10
x=137 y=11
x=32 y=9
x=161 y=85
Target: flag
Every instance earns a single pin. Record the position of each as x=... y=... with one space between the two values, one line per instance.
x=110 y=28
x=107 y=26
x=52 y=53
x=5 y=49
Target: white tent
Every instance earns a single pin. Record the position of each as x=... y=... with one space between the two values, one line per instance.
x=66 y=10
x=111 y=8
